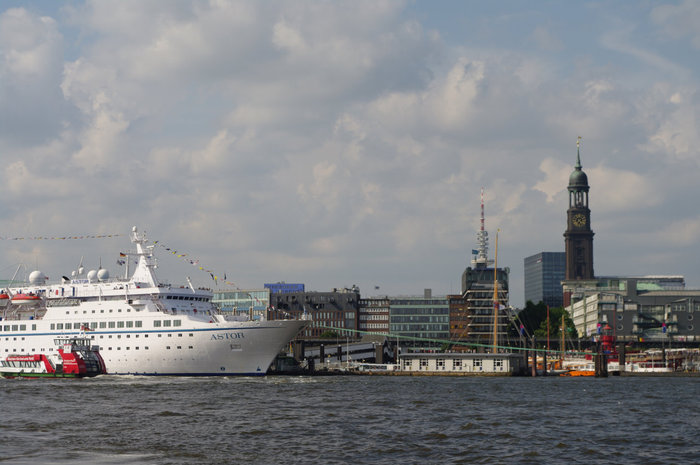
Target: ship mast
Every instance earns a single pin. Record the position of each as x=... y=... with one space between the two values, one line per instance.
x=494 y=336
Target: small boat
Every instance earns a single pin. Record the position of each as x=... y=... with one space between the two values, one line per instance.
x=75 y=358
x=24 y=299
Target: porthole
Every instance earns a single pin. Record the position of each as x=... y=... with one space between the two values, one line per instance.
x=690 y=317
x=619 y=317
x=690 y=327
x=619 y=327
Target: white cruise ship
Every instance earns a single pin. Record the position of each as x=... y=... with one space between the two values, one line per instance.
x=142 y=327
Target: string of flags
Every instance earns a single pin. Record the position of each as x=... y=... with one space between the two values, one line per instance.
x=59 y=238
x=194 y=262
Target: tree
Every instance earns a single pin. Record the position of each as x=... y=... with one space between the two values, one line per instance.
x=530 y=317
x=555 y=315
x=534 y=318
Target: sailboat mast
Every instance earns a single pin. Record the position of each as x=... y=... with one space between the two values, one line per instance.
x=562 y=348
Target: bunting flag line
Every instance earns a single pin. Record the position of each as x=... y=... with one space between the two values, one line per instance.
x=194 y=262
x=60 y=238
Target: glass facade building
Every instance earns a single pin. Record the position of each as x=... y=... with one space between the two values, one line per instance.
x=544 y=273
x=426 y=319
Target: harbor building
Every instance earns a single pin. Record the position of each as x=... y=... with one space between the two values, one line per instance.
x=644 y=308
x=485 y=291
x=460 y=320
x=462 y=364
x=578 y=237
x=373 y=315
x=332 y=312
x=544 y=273
x=424 y=322
x=284 y=288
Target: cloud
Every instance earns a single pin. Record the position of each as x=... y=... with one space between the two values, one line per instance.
x=679 y=21
x=336 y=142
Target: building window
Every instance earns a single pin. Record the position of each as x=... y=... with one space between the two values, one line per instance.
x=440 y=363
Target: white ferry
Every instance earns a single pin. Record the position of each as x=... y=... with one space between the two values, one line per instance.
x=142 y=327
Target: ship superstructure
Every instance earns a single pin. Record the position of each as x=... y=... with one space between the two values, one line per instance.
x=142 y=326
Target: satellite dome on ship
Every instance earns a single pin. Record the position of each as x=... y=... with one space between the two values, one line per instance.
x=102 y=274
x=37 y=278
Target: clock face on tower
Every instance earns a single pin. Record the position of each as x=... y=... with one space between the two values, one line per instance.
x=579 y=220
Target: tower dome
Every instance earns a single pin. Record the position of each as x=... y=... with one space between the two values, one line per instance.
x=578 y=178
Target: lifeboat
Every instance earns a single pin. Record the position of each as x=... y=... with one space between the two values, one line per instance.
x=4 y=299
x=23 y=299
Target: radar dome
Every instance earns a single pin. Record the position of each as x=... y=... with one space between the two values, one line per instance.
x=92 y=276
x=80 y=270
x=102 y=274
x=37 y=278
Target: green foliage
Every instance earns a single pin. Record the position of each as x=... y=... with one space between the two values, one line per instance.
x=534 y=319
x=329 y=334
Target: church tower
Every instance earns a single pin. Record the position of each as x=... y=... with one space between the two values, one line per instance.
x=578 y=237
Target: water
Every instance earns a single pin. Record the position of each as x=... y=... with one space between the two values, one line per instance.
x=343 y=420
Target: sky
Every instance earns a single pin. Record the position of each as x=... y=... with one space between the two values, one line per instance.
x=346 y=143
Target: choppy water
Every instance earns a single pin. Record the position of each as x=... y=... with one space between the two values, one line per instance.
x=339 y=420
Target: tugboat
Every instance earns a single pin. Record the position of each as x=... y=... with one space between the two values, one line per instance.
x=76 y=358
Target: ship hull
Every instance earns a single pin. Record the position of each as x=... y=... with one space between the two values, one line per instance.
x=198 y=349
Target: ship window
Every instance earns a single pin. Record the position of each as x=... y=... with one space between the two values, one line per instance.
x=167 y=347
x=33 y=327
x=110 y=336
x=160 y=335
x=190 y=347
x=167 y=322
x=93 y=325
x=103 y=324
x=59 y=325
x=110 y=324
x=93 y=311
x=76 y=325
x=179 y=347
x=170 y=335
x=138 y=324
x=191 y=334
x=136 y=348
x=22 y=327
x=156 y=323
x=177 y=322
x=476 y=362
x=119 y=336
x=179 y=335
x=109 y=348
x=145 y=348
x=53 y=326
x=129 y=324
